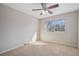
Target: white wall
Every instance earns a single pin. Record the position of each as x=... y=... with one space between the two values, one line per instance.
x=69 y=37
x=78 y=28
x=16 y=28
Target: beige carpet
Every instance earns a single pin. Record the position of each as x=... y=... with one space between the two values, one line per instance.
x=43 y=49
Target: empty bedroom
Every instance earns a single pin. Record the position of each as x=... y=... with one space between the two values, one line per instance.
x=39 y=29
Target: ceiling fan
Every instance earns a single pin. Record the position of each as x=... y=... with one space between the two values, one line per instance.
x=46 y=9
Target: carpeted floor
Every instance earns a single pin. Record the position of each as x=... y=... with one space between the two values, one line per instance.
x=43 y=49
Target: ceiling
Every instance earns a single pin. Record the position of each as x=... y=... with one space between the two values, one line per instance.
x=27 y=8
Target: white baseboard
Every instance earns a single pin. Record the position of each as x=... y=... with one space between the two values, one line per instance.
x=11 y=48
x=61 y=43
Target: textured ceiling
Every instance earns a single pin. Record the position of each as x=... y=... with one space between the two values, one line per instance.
x=27 y=8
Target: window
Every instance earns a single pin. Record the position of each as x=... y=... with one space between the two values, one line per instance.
x=55 y=25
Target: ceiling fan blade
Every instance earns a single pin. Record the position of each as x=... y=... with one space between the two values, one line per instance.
x=36 y=9
x=50 y=12
x=53 y=6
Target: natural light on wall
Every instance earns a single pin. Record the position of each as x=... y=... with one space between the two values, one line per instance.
x=34 y=38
